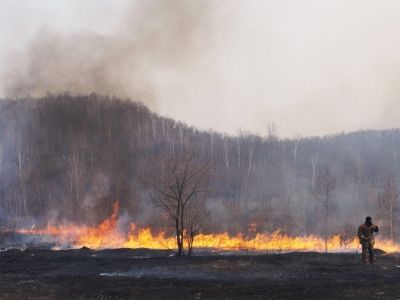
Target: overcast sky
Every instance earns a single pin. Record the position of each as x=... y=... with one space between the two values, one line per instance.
x=312 y=67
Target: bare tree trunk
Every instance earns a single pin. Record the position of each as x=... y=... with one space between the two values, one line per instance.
x=239 y=158
x=139 y=136
x=226 y=155
x=181 y=137
x=323 y=193
x=190 y=244
x=391 y=226
x=212 y=146
x=181 y=229
x=251 y=151
x=178 y=238
x=326 y=230
x=388 y=201
x=314 y=160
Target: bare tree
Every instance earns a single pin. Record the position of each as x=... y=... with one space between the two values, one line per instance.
x=184 y=180
x=324 y=194
x=226 y=154
x=211 y=133
x=251 y=152
x=75 y=173
x=388 y=201
x=347 y=235
x=314 y=161
x=272 y=131
x=196 y=215
x=296 y=139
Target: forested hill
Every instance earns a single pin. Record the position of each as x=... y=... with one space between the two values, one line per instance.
x=70 y=158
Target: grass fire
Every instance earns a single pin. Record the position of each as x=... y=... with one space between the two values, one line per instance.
x=188 y=149
x=107 y=236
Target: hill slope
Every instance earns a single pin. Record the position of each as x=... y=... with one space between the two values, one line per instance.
x=70 y=158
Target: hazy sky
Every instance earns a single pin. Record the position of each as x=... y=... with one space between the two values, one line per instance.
x=313 y=67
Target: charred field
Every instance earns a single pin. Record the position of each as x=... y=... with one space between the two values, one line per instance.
x=159 y=274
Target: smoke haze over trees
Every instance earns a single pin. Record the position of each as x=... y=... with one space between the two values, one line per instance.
x=69 y=158
x=312 y=67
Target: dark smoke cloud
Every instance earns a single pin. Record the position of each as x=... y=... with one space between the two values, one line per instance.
x=156 y=38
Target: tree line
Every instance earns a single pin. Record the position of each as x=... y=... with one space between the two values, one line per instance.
x=68 y=158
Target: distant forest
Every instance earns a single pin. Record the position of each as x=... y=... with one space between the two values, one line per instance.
x=69 y=158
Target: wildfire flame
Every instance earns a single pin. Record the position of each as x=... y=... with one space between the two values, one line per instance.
x=107 y=235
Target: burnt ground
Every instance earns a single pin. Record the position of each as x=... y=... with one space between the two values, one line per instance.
x=148 y=274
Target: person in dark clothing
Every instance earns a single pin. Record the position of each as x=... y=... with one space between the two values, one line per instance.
x=366 y=234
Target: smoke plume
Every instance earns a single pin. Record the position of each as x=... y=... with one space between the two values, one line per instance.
x=311 y=67
x=155 y=41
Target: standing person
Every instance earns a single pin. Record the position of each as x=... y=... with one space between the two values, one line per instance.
x=366 y=234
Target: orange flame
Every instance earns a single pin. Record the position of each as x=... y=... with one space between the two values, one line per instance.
x=107 y=235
